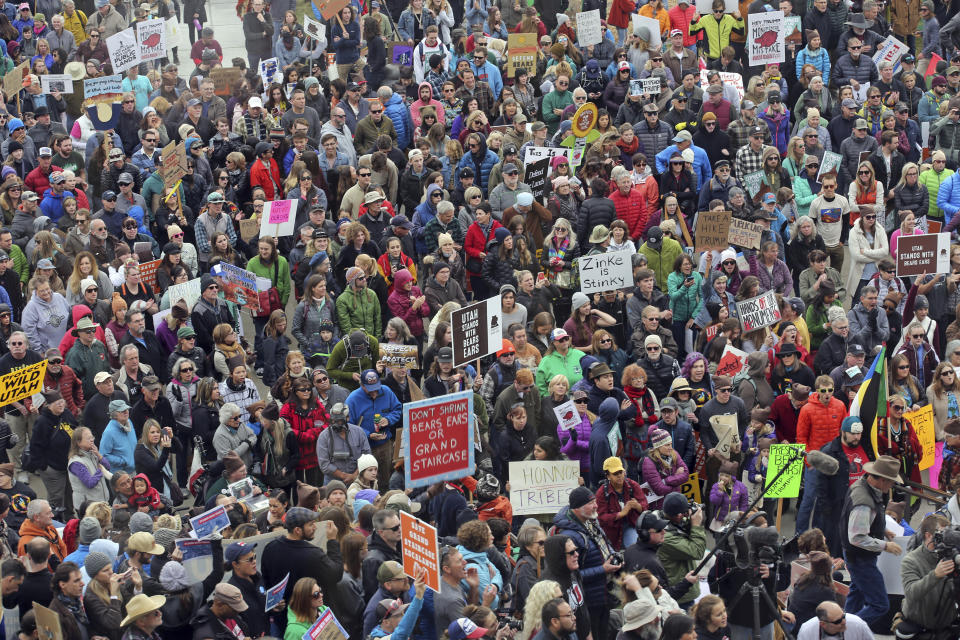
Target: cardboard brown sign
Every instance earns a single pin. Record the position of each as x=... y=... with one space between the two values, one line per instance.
x=744 y=234
x=713 y=230
x=225 y=78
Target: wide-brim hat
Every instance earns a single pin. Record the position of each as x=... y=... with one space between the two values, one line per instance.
x=857 y=20
x=82 y=325
x=599 y=234
x=75 y=70
x=886 y=467
x=140 y=605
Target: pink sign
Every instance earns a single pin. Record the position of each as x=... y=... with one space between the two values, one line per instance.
x=279 y=211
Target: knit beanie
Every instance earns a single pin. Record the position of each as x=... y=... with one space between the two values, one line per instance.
x=141 y=522
x=173 y=577
x=89 y=530
x=95 y=562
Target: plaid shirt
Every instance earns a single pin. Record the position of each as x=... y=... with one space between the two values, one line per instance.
x=483 y=94
x=748 y=160
x=436 y=81
x=739 y=132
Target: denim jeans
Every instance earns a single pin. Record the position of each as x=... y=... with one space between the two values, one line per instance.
x=868 y=595
x=739 y=632
x=806 y=507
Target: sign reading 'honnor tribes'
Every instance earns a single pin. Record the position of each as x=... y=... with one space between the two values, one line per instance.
x=605 y=271
x=542 y=486
x=927 y=253
x=757 y=313
x=477 y=330
x=439 y=444
x=765 y=38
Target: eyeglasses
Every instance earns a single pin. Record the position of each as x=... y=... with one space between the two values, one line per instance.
x=725 y=390
x=129 y=226
x=129 y=101
x=870 y=217
x=813 y=165
x=149 y=139
x=826 y=390
x=476 y=197
x=606 y=341
x=176 y=235
x=213 y=286
x=376 y=111
x=828 y=186
x=394 y=529
x=918 y=336
x=942 y=373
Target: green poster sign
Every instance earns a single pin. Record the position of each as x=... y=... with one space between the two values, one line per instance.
x=787 y=485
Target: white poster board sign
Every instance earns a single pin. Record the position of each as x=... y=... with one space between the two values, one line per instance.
x=765 y=38
x=589 y=30
x=124 y=50
x=278 y=219
x=758 y=312
x=735 y=80
x=567 y=415
x=606 y=271
x=61 y=82
x=650 y=23
x=542 y=486
x=890 y=50
x=152 y=36
x=889 y=566
x=538 y=153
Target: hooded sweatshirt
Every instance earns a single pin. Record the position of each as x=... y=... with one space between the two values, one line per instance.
x=420 y=104
x=401 y=305
x=424 y=213
x=600 y=436
x=753 y=388
x=45 y=323
x=117 y=445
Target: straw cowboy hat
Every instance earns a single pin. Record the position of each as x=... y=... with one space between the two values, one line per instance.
x=140 y=605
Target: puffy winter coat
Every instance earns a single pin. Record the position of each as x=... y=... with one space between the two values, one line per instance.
x=819 y=58
x=591 y=559
x=946 y=135
x=660 y=373
x=818 y=424
x=779 y=124
x=664 y=483
x=397 y=111
x=845 y=70
x=654 y=139
x=307 y=426
x=481 y=168
x=475 y=244
x=594 y=211
x=685 y=302
x=632 y=209
x=575 y=443
x=497 y=272
x=401 y=305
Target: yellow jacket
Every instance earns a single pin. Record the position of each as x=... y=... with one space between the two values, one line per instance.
x=75 y=24
x=718 y=33
x=661 y=15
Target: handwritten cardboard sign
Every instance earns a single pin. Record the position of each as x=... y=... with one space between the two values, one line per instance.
x=922 y=421
x=787 y=485
x=606 y=271
x=152 y=36
x=589 y=30
x=744 y=234
x=106 y=85
x=13 y=81
x=399 y=355
x=541 y=486
x=713 y=230
x=225 y=78
x=535 y=176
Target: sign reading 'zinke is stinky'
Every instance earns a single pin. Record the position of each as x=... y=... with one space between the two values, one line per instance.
x=606 y=271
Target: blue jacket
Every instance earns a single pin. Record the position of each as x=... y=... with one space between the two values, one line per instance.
x=491 y=75
x=362 y=410
x=820 y=59
x=607 y=419
x=592 y=575
x=117 y=446
x=701 y=163
x=424 y=213
x=405 y=25
x=683 y=442
x=52 y=204
x=948 y=197
x=779 y=128
x=928 y=109
x=407 y=623
x=286 y=57
x=399 y=114
x=716 y=191
x=480 y=560
x=482 y=172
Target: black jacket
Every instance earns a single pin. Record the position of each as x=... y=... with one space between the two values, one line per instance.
x=594 y=211
x=207 y=626
x=378 y=552
x=832 y=353
x=204 y=318
x=205 y=422
x=162 y=412
x=880 y=168
x=151 y=353
x=96 y=414
x=50 y=443
x=301 y=558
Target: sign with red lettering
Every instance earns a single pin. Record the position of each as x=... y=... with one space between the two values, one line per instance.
x=420 y=549
x=440 y=436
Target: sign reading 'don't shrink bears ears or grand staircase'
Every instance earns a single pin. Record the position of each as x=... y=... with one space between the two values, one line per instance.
x=22 y=383
x=440 y=436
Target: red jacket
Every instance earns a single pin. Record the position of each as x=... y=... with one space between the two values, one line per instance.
x=620 y=11
x=69 y=386
x=475 y=243
x=608 y=506
x=38 y=181
x=305 y=426
x=680 y=19
x=784 y=418
x=632 y=209
x=817 y=425
x=260 y=177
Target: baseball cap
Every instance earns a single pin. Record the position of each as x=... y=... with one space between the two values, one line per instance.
x=116 y=152
x=231 y=596
x=676 y=32
x=856 y=349
x=650 y=520
x=400 y=220
x=237 y=550
x=757 y=131
x=389 y=570
x=683 y=136
x=370 y=381
x=30 y=195
x=186 y=332
x=849 y=103
x=103 y=376
x=46 y=152
x=255 y=101
x=463 y=628
x=613 y=464
x=298 y=516
x=109 y=195
x=769 y=198
x=747 y=104
x=558 y=333
x=388 y=607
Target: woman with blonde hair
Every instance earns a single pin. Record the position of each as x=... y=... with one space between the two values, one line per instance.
x=85 y=266
x=47 y=246
x=88 y=469
x=560 y=249
x=442 y=316
x=793 y=163
x=867 y=245
x=540 y=594
x=226 y=346
x=864 y=189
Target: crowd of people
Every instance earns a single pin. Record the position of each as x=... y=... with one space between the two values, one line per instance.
x=167 y=393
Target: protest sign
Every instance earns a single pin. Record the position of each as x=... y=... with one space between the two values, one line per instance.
x=922 y=421
x=124 y=50
x=830 y=163
x=314 y=29
x=48 y=623
x=691 y=488
x=606 y=271
x=249 y=229
x=759 y=312
x=210 y=522
x=225 y=78
x=890 y=50
x=330 y=8
x=792 y=29
x=927 y=253
x=589 y=30
x=61 y=82
x=278 y=218
x=753 y=182
x=735 y=80
x=636 y=87
x=521 y=53
x=188 y=291
x=477 y=330
x=728 y=436
x=713 y=229
x=398 y=355
x=535 y=176
x=744 y=234
x=567 y=415
x=268 y=70
x=420 y=549
x=765 y=38
x=439 y=438
x=327 y=627
x=22 y=383
x=275 y=593
x=197 y=557
x=649 y=86
x=151 y=34
x=732 y=360
x=787 y=485
x=537 y=153
x=889 y=567
x=148 y=273
x=542 y=486
x=173 y=169
x=239 y=286
x=107 y=85
x=13 y=81
x=401 y=54
x=652 y=25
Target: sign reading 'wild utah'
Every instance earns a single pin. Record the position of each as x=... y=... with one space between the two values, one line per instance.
x=22 y=383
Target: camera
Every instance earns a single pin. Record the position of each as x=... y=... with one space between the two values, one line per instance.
x=947 y=545
x=511 y=623
x=616 y=558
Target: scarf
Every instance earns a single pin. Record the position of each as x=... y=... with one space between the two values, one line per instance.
x=629 y=149
x=558 y=250
x=644 y=402
x=75 y=606
x=567 y=206
x=230 y=351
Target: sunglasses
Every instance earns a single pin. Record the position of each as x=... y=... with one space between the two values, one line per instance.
x=725 y=390
x=572 y=553
x=838 y=620
x=606 y=341
x=376 y=111
x=321 y=379
x=863 y=173
x=897 y=407
x=826 y=390
x=580 y=401
x=187 y=369
x=653 y=349
x=947 y=373
x=563 y=339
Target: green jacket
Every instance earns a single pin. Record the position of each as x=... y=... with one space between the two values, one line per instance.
x=358 y=310
x=20 y=264
x=718 y=33
x=555 y=100
x=341 y=368
x=679 y=554
x=281 y=282
x=554 y=363
x=367 y=133
x=925 y=594
x=685 y=302
x=804 y=195
x=932 y=181
x=661 y=262
x=87 y=362
x=296 y=629
x=815 y=321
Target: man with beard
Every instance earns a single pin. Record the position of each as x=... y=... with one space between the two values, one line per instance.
x=641 y=621
x=642 y=554
x=296 y=555
x=557 y=621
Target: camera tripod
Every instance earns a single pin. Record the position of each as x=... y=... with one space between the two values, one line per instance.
x=755 y=588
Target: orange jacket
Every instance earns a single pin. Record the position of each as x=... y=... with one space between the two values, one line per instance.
x=817 y=424
x=29 y=531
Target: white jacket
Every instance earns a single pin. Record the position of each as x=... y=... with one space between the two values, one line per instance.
x=860 y=253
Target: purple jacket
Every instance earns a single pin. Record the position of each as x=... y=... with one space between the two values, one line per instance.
x=723 y=503
x=781 y=280
x=663 y=485
x=577 y=448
